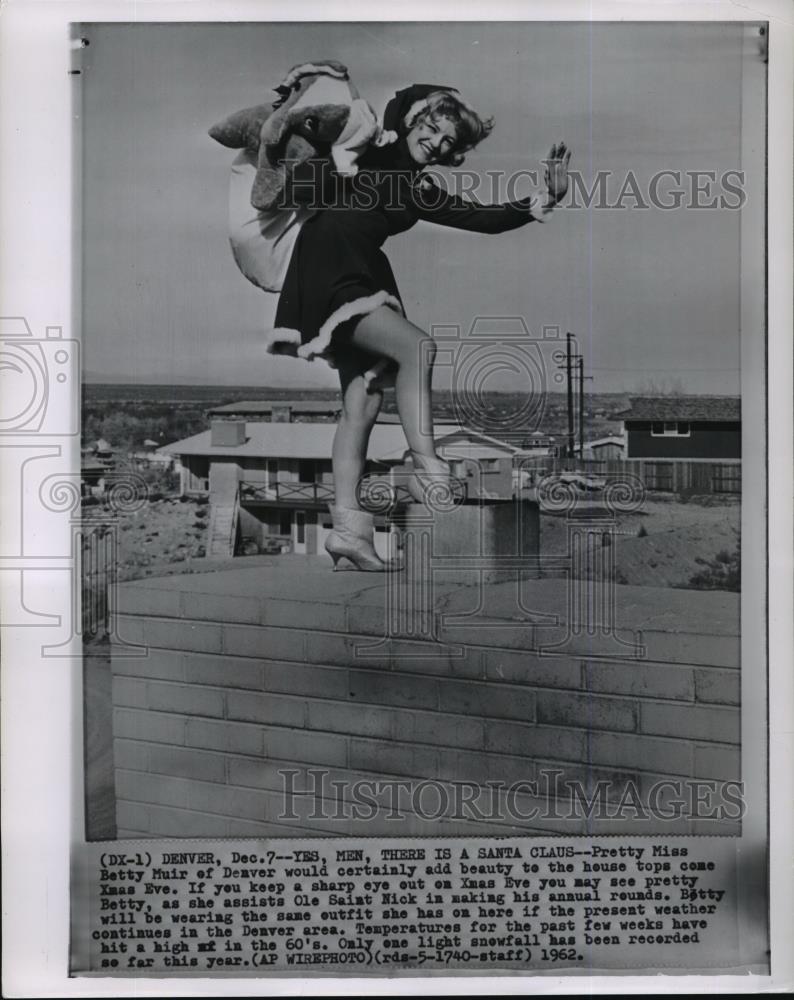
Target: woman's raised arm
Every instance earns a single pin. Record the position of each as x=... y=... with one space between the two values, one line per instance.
x=432 y=204
x=435 y=205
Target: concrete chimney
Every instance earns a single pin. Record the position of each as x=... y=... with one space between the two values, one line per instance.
x=227 y=433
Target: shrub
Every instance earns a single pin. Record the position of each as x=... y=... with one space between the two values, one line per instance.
x=721 y=573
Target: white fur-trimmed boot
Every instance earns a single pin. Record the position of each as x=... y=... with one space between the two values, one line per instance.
x=352 y=538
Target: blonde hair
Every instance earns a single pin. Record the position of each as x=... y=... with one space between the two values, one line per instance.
x=470 y=127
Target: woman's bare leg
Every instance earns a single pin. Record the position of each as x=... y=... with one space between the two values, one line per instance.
x=360 y=409
x=386 y=332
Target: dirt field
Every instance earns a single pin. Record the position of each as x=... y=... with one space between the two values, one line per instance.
x=667 y=543
x=664 y=545
x=162 y=533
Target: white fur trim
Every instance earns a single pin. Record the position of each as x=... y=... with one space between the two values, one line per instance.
x=324 y=90
x=279 y=336
x=286 y=337
x=414 y=112
x=308 y=69
x=374 y=376
x=386 y=138
x=358 y=307
x=361 y=127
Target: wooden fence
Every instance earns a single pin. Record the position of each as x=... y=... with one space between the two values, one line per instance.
x=666 y=476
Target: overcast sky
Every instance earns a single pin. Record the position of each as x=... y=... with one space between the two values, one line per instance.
x=653 y=296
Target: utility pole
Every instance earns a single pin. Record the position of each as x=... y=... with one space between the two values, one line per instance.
x=569 y=360
x=580 y=366
x=582 y=377
x=574 y=368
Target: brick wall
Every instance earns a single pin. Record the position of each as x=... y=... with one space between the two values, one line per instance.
x=250 y=673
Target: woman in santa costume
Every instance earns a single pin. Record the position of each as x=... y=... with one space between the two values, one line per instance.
x=339 y=299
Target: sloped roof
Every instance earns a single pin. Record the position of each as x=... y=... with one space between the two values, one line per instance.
x=455 y=441
x=304 y=441
x=707 y=408
x=609 y=439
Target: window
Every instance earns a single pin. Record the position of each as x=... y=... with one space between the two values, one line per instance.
x=272 y=471
x=674 y=428
x=285 y=528
x=726 y=478
x=489 y=464
x=300 y=523
x=659 y=475
x=306 y=471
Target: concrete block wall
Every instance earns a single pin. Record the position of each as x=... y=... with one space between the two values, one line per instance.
x=253 y=681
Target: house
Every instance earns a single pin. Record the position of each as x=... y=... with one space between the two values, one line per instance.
x=92 y=477
x=269 y=454
x=685 y=444
x=103 y=453
x=605 y=448
x=537 y=443
x=280 y=411
x=96 y=462
x=274 y=479
x=147 y=458
x=687 y=428
x=484 y=463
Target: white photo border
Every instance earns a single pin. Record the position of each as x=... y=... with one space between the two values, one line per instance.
x=42 y=698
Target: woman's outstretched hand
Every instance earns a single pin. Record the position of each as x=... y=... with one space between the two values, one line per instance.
x=556 y=173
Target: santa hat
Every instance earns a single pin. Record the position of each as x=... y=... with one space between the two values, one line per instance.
x=407 y=104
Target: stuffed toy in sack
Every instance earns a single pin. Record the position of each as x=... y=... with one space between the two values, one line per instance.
x=319 y=111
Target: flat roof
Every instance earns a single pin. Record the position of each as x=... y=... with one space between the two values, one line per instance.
x=254 y=406
x=277 y=440
x=314 y=441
